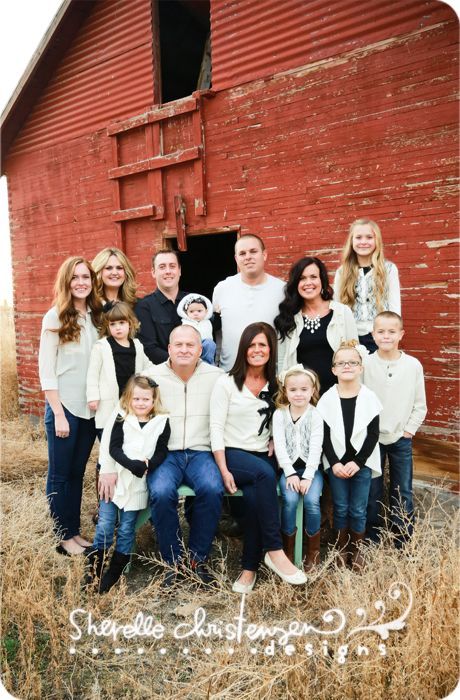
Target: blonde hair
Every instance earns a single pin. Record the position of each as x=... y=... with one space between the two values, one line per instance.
x=119 y=311
x=350 y=267
x=129 y=287
x=281 y=398
x=69 y=328
x=139 y=380
x=348 y=345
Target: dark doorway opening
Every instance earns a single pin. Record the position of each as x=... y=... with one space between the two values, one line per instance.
x=208 y=260
x=185 y=47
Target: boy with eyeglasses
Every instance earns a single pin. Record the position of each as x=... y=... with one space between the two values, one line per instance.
x=397 y=379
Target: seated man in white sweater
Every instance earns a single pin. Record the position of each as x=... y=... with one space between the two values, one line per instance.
x=186 y=384
x=398 y=381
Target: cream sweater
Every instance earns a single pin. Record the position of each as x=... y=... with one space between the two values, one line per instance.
x=138 y=443
x=187 y=403
x=303 y=439
x=341 y=327
x=400 y=386
x=101 y=380
x=235 y=420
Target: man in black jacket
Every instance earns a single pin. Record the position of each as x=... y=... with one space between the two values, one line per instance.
x=157 y=312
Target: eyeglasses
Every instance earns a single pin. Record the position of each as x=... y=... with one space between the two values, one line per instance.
x=350 y=363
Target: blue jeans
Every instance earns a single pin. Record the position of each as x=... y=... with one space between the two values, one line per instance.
x=67 y=458
x=109 y=516
x=254 y=474
x=198 y=470
x=311 y=504
x=208 y=353
x=349 y=498
x=401 y=496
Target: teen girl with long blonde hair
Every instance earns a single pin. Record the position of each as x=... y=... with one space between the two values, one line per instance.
x=366 y=282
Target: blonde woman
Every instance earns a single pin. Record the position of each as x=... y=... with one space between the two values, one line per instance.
x=116 y=279
x=69 y=330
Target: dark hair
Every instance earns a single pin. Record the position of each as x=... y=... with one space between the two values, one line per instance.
x=165 y=251
x=240 y=367
x=293 y=302
x=251 y=235
x=119 y=311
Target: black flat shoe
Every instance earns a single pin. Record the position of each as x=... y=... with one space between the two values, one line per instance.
x=60 y=550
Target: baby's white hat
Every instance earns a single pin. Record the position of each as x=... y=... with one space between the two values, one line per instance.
x=190 y=299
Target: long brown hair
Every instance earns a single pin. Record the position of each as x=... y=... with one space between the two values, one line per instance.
x=69 y=328
x=240 y=368
x=128 y=289
x=350 y=267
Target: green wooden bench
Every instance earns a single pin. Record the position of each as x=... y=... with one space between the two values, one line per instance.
x=144 y=516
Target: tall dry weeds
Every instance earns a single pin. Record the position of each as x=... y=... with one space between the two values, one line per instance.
x=41 y=588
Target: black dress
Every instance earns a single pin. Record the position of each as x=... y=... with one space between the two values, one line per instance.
x=314 y=352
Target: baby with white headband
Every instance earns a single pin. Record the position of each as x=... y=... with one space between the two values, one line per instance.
x=196 y=310
x=298 y=441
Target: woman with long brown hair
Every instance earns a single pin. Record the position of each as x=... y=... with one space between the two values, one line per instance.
x=241 y=411
x=69 y=330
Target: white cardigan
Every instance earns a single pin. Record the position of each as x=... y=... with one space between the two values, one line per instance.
x=234 y=417
x=364 y=308
x=342 y=326
x=303 y=439
x=367 y=407
x=101 y=381
x=138 y=443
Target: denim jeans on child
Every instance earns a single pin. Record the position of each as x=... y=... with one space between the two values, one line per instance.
x=109 y=516
x=208 y=353
x=67 y=458
x=349 y=498
x=254 y=473
x=198 y=470
x=401 y=497
x=311 y=502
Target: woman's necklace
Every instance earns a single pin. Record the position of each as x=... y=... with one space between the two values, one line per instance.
x=311 y=324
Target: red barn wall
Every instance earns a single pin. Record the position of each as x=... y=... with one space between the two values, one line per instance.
x=294 y=157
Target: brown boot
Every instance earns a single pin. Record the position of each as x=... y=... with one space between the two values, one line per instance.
x=313 y=543
x=357 y=557
x=342 y=543
x=289 y=544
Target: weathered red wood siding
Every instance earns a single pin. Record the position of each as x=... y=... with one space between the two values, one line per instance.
x=295 y=157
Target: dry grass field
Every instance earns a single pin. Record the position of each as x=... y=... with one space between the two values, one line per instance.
x=376 y=644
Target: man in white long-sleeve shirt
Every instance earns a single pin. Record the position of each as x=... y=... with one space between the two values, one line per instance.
x=250 y=296
x=397 y=379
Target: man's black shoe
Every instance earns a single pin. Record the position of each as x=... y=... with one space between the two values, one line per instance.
x=202 y=573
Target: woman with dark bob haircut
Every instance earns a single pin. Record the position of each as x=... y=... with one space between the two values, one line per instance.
x=241 y=412
x=310 y=324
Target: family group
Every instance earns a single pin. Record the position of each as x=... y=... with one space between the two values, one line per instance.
x=310 y=387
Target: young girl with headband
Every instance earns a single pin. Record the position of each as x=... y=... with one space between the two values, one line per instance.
x=298 y=441
x=134 y=442
x=366 y=282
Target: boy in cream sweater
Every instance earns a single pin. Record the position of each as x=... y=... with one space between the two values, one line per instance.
x=398 y=381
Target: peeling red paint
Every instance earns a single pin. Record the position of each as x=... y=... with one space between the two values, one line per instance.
x=293 y=143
